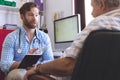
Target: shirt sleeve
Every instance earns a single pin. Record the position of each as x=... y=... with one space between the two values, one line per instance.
x=77 y=44
x=48 y=53
x=7 y=54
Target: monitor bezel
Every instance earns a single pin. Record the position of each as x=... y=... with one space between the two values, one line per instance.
x=78 y=28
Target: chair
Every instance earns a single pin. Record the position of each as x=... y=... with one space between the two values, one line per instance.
x=3 y=34
x=100 y=57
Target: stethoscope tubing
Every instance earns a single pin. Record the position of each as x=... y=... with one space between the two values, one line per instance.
x=19 y=50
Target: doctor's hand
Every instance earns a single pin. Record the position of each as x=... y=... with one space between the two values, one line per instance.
x=33 y=50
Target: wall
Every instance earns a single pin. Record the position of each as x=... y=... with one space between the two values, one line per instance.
x=9 y=15
x=63 y=7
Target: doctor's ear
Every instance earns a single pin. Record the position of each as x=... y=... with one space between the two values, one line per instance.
x=21 y=16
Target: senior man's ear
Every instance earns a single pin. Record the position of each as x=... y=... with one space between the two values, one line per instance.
x=102 y=5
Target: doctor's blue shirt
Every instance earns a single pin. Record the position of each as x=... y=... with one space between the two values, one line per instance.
x=18 y=40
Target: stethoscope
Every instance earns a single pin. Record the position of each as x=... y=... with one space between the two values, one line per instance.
x=19 y=50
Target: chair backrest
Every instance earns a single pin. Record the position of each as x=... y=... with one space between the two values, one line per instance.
x=100 y=57
x=3 y=33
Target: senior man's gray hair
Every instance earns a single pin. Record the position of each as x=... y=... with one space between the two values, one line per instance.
x=109 y=3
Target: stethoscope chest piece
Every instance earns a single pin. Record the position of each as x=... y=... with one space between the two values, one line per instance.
x=19 y=50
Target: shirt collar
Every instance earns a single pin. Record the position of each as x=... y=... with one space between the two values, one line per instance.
x=23 y=31
x=112 y=11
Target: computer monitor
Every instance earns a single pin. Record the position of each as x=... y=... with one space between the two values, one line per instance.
x=65 y=31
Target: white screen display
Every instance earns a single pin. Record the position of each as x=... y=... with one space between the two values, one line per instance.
x=65 y=30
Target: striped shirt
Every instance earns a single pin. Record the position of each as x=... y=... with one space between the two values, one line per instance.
x=109 y=20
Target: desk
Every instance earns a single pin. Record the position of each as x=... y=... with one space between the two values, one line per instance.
x=57 y=54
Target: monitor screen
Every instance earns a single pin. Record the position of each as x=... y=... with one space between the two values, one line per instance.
x=65 y=31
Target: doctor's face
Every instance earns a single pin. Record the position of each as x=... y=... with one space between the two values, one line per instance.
x=30 y=19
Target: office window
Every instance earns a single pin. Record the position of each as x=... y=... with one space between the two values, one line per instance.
x=80 y=8
x=84 y=8
x=88 y=10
